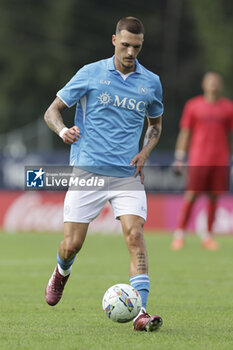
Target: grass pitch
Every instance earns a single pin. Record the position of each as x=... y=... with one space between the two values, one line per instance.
x=191 y=289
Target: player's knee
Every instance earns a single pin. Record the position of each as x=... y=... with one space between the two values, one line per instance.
x=70 y=249
x=134 y=237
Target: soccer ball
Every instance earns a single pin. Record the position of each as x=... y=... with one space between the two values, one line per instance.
x=121 y=303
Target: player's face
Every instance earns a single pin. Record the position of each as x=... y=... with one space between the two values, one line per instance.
x=127 y=47
x=212 y=83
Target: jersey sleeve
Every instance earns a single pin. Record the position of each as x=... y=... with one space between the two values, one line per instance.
x=75 y=89
x=156 y=108
x=186 y=121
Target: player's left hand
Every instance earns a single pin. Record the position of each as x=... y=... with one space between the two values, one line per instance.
x=139 y=160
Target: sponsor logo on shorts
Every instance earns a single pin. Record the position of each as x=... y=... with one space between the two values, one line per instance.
x=143 y=209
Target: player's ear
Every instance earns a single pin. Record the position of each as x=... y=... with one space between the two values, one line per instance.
x=114 y=39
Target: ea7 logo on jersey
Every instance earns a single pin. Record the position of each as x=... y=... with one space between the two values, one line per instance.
x=129 y=103
x=107 y=82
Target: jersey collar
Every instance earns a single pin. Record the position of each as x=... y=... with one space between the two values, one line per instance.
x=111 y=65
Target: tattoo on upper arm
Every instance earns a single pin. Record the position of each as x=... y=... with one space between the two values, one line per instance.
x=59 y=104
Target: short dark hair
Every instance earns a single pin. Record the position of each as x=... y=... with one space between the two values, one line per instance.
x=213 y=71
x=131 y=24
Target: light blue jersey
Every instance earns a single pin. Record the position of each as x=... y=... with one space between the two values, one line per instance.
x=110 y=114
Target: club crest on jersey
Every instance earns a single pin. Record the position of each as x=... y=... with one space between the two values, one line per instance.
x=128 y=103
x=142 y=90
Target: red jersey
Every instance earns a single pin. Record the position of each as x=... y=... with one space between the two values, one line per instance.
x=210 y=125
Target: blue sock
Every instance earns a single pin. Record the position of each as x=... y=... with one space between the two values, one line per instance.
x=142 y=284
x=65 y=265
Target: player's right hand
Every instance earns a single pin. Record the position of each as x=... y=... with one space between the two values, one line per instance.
x=71 y=135
x=178 y=167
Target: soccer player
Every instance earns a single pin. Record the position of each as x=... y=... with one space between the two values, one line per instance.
x=205 y=128
x=112 y=96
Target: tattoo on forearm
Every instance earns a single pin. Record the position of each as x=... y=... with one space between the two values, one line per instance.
x=153 y=132
x=141 y=262
x=53 y=116
x=54 y=121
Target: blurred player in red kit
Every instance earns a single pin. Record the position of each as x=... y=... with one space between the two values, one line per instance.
x=205 y=129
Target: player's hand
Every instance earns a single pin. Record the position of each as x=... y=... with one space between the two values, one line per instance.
x=178 y=167
x=139 y=160
x=71 y=135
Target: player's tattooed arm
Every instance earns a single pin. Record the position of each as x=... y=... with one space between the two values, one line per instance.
x=54 y=120
x=151 y=139
x=152 y=134
x=53 y=116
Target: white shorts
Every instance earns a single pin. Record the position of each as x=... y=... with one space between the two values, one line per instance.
x=84 y=206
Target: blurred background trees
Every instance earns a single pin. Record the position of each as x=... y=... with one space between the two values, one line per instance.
x=43 y=43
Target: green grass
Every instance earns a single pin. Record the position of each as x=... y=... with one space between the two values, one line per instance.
x=191 y=289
